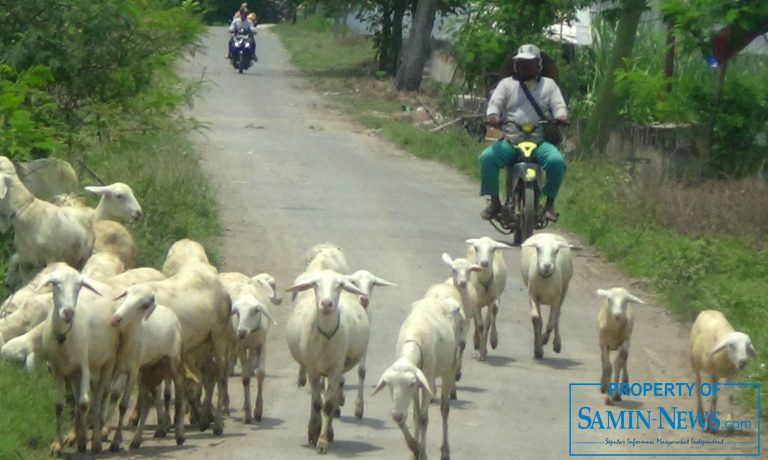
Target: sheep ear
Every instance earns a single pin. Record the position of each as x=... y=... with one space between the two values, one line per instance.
x=89 y=284
x=275 y=296
x=603 y=293
x=472 y=240
x=99 y=190
x=349 y=286
x=422 y=379
x=382 y=282
x=634 y=299
x=751 y=351
x=475 y=268
x=121 y=296
x=447 y=259
x=301 y=284
x=721 y=346
x=43 y=282
x=379 y=386
x=500 y=245
x=266 y=313
x=150 y=309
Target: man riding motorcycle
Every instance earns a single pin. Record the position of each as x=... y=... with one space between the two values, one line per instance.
x=510 y=107
x=242 y=25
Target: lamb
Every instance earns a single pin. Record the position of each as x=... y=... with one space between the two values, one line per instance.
x=483 y=251
x=36 y=221
x=615 y=321
x=250 y=323
x=717 y=351
x=149 y=334
x=464 y=279
x=546 y=265
x=327 y=337
x=75 y=340
x=426 y=349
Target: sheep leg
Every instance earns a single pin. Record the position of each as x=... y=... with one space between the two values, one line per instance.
x=460 y=361
x=117 y=439
x=82 y=407
x=206 y=407
x=245 y=372
x=161 y=399
x=359 y=403
x=144 y=395
x=556 y=343
x=699 y=407
x=605 y=357
x=494 y=334
x=341 y=398
x=538 y=347
x=260 y=373
x=713 y=407
x=333 y=384
x=484 y=334
x=221 y=380
x=477 y=317
x=302 y=380
x=448 y=389
x=58 y=443
x=729 y=390
x=313 y=430
x=619 y=368
x=426 y=400
x=167 y=396
x=97 y=407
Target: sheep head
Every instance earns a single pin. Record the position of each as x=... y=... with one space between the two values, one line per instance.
x=739 y=348
x=66 y=283
x=485 y=249
x=117 y=202
x=365 y=281
x=403 y=380
x=547 y=250
x=138 y=302
x=461 y=269
x=268 y=282
x=618 y=300
x=249 y=310
x=327 y=285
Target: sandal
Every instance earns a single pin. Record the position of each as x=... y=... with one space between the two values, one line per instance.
x=490 y=212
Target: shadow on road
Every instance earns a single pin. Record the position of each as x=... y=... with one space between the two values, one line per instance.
x=499 y=361
x=560 y=363
x=375 y=423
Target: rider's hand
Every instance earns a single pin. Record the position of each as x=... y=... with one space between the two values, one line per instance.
x=493 y=120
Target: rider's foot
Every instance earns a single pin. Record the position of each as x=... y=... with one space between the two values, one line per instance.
x=549 y=210
x=492 y=209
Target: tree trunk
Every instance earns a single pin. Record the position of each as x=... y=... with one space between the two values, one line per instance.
x=608 y=102
x=669 y=57
x=415 y=54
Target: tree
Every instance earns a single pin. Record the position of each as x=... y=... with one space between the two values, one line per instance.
x=410 y=72
x=608 y=101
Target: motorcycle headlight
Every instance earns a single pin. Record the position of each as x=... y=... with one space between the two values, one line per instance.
x=527 y=128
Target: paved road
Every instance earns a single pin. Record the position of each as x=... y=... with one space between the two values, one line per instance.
x=291 y=173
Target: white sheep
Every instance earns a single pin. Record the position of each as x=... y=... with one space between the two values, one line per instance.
x=485 y=252
x=326 y=256
x=43 y=232
x=717 y=351
x=426 y=349
x=546 y=265
x=48 y=177
x=464 y=278
x=327 y=337
x=615 y=321
x=182 y=253
x=76 y=341
x=103 y=265
x=249 y=324
x=24 y=348
x=149 y=334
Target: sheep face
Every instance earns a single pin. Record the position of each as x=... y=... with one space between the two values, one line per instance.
x=403 y=380
x=249 y=310
x=485 y=248
x=461 y=269
x=546 y=255
x=365 y=281
x=739 y=348
x=119 y=200
x=138 y=302
x=327 y=285
x=66 y=283
x=618 y=301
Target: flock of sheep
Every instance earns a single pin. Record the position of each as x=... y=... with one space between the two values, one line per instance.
x=107 y=329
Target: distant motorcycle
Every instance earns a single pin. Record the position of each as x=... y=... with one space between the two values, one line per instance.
x=242 y=54
x=521 y=212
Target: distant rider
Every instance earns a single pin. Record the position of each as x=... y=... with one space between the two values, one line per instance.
x=241 y=25
x=509 y=105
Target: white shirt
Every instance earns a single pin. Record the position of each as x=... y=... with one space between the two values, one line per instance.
x=510 y=103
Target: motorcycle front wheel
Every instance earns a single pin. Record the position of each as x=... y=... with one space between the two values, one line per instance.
x=242 y=62
x=527 y=215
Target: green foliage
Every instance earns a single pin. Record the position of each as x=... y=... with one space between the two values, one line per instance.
x=101 y=55
x=28 y=418
x=27 y=125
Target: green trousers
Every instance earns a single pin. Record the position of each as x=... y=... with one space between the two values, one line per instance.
x=501 y=153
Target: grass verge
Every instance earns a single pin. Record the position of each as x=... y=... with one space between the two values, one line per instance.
x=653 y=232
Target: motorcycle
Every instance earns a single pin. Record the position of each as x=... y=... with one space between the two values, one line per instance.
x=521 y=213
x=242 y=53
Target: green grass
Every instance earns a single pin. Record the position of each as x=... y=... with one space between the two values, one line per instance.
x=27 y=422
x=691 y=270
